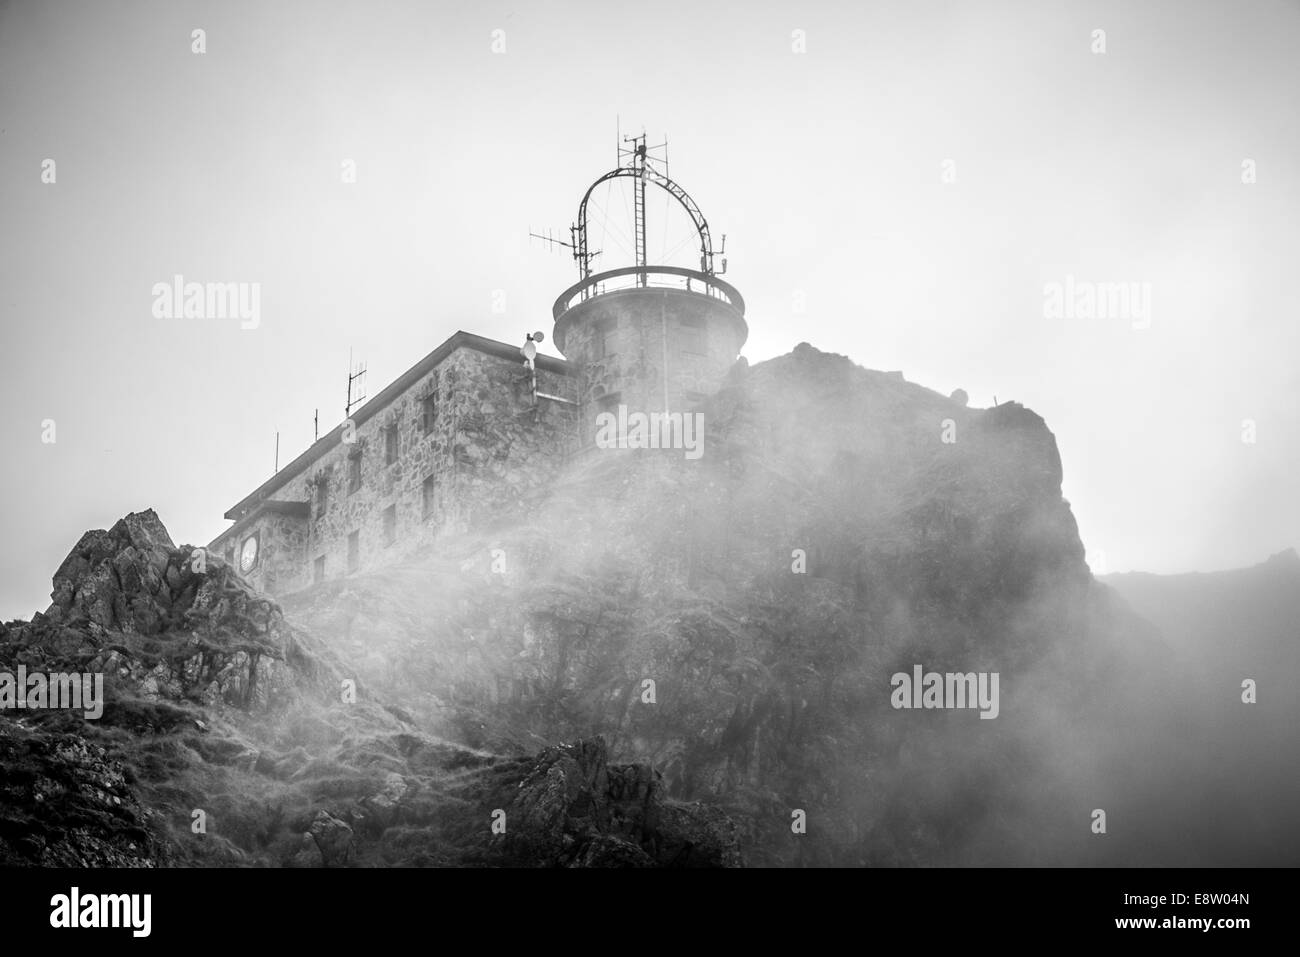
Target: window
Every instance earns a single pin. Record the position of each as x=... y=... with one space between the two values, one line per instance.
x=390 y=445
x=354 y=472
x=603 y=345
x=354 y=551
x=318 y=570
x=430 y=490
x=390 y=524
x=429 y=411
x=693 y=337
x=230 y=554
x=322 y=496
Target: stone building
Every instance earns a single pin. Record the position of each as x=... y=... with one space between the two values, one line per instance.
x=468 y=430
x=457 y=435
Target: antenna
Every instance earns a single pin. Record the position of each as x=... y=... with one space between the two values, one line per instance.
x=584 y=258
x=356 y=380
x=315 y=426
x=277 y=452
x=642 y=163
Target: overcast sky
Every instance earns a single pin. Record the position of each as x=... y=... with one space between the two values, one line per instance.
x=825 y=168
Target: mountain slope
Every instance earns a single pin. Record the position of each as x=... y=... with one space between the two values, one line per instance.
x=827 y=538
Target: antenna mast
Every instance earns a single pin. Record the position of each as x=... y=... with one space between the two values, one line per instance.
x=643 y=164
x=639 y=161
x=356 y=380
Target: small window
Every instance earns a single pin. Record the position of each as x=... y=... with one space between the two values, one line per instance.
x=693 y=338
x=430 y=491
x=322 y=496
x=390 y=524
x=429 y=412
x=354 y=472
x=318 y=570
x=230 y=554
x=354 y=551
x=390 y=445
x=604 y=338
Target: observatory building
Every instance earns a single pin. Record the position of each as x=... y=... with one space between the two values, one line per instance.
x=477 y=424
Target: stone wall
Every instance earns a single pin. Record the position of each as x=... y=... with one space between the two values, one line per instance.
x=640 y=347
x=487 y=447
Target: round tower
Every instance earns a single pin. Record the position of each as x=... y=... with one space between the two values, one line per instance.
x=652 y=338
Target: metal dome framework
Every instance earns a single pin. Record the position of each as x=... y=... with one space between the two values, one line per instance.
x=641 y=169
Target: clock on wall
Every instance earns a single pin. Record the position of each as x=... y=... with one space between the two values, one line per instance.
x=248 y=554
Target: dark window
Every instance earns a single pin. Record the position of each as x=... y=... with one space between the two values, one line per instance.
x=354 y=472
x=430 y=490
x=390 y=524
x=390 y=445
x=230 y=554
x=604 y=342
x=429 y=412
x=354 y=551
x=318 y=570
x=322 y=495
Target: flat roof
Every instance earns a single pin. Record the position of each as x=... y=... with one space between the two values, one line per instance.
x=399 y=385
x=294 y=509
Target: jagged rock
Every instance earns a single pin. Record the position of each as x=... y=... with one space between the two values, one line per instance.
x=66 y=803
x=384 y=808
x=572 y=808
x=604 y=850
x=333 y=839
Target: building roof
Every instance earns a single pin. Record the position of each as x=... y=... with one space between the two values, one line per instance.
x=293 y=509
x=398 y=386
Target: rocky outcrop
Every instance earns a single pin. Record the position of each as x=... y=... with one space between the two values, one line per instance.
x=225 y=740
x=172 y=623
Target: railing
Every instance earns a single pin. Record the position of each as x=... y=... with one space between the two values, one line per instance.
x=649 y=277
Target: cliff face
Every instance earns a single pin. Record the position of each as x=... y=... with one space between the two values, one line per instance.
x=734 y=620
x=713 y=637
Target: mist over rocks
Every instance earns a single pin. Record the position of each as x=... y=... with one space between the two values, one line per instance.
x=232 y=738
x=733 y=622
x=649 y=661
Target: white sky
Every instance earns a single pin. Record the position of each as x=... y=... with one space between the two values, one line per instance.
x=822 y=168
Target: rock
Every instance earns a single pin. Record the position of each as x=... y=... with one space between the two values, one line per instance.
x=573 y=809
x=385 y=807
x=605 y=850
x=333 y=839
